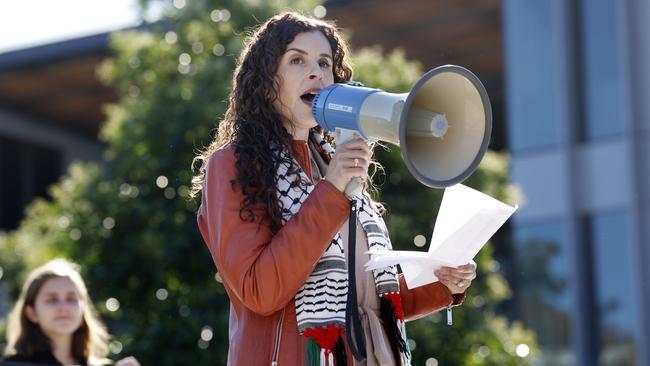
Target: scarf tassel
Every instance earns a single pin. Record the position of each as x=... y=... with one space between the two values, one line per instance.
x=392 y=316
x=339 y=352
x=323 y=344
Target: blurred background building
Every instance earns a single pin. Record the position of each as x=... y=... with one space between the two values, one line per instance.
x=577 y=89
x=50 y=113
x=569 y=83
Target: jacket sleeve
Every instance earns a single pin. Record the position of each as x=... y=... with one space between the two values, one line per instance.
x=262 y=270
x=424 y=300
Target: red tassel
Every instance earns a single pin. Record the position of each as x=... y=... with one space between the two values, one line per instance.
x=325 y=337
x=397 y=304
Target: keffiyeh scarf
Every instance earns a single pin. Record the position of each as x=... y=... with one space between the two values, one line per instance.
x=321 y=301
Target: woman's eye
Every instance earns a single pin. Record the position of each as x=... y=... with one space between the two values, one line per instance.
x=296 y=60
x=324 y=64
x=50 y=300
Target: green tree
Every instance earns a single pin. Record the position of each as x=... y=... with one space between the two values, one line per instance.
x=131 y=225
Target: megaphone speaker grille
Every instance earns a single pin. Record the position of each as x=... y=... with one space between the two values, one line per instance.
x=458 y=95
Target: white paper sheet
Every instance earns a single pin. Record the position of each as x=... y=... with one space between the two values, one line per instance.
x=466 y=221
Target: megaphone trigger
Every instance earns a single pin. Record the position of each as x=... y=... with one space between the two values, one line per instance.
x=342 y=135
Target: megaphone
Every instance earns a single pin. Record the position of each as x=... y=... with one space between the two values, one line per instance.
x=442 y=125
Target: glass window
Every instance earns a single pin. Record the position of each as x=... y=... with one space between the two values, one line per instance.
x=602 y=74
x=26 y=170
x=616 y=298
x=529 y=74
x=542 y=291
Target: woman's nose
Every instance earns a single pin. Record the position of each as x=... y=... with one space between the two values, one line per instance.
x=316 y=73
x=65 y=306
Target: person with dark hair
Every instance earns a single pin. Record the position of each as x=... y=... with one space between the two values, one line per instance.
x=53 y=322
x=275 y=219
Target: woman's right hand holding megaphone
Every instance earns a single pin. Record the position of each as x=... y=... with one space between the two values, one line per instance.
x=351 y=160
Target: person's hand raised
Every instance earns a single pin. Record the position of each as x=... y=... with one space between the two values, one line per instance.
x=351 y=160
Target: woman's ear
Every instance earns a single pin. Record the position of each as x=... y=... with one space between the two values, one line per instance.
x=30 y=313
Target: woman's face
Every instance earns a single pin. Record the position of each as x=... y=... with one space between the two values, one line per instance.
x=304 y=69
x=57 y=308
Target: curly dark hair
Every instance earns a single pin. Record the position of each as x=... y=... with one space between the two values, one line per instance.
x=251 y=123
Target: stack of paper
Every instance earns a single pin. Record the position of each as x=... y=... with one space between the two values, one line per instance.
x=466 y=221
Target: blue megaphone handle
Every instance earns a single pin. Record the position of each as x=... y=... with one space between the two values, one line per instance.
x=338 y=106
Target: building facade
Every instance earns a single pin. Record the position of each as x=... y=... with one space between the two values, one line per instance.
x=50 y=113
x=577 y=79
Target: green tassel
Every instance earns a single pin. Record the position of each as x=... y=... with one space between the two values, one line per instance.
x=312 y=353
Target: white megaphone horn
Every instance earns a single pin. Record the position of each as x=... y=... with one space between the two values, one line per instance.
x=442 y=125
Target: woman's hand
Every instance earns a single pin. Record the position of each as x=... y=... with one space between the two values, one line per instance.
x=351 y=160
x=457 y=279
x=128 y=361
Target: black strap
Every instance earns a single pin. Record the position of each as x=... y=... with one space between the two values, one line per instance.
x=354 y=332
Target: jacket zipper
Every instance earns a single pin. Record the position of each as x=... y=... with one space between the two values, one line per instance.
x=450 y=318
x=278 y=338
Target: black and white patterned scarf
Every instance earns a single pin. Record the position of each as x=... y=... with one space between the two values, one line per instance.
x=321 y=301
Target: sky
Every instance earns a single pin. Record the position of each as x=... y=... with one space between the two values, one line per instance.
x=27 y=23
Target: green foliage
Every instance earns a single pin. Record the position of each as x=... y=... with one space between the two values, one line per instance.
x=390 y=72
x=131 y=225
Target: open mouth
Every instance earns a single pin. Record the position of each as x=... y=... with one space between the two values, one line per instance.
x=308 y=97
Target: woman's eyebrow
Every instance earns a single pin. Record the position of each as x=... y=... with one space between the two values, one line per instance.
x=306 y=53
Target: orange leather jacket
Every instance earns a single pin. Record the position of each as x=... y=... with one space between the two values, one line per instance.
x=262 y=272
